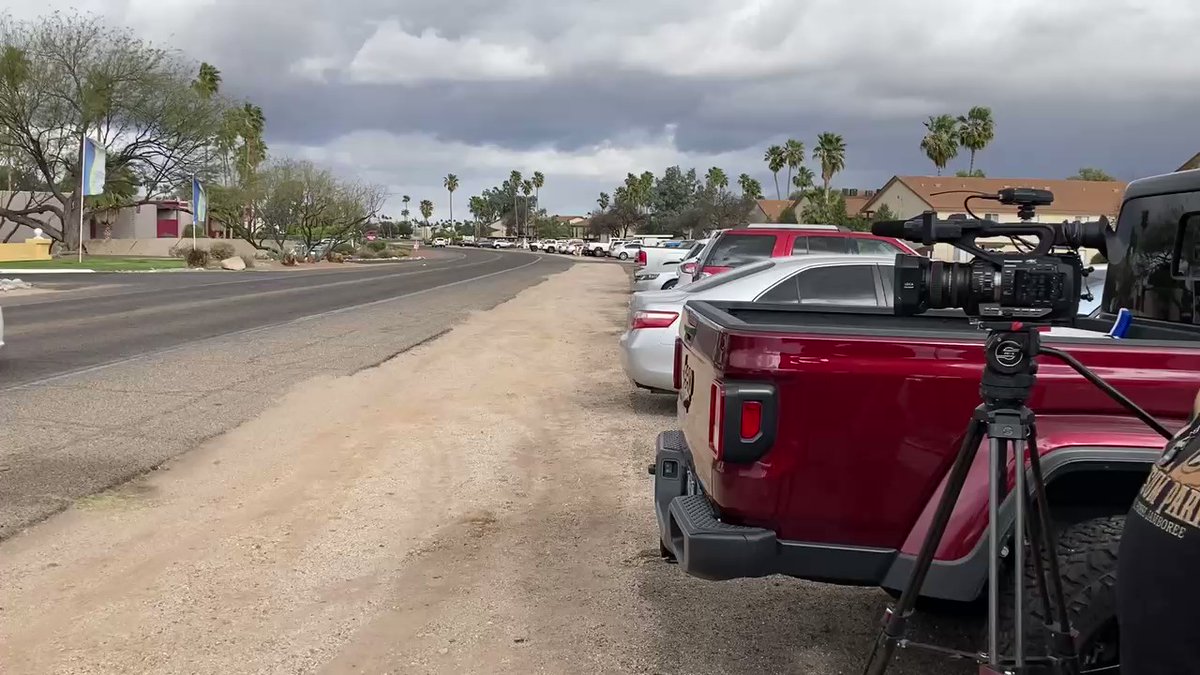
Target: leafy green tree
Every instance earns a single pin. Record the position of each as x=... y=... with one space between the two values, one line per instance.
x=976 y=130
x=1091 y=174
x=65 y=77
x=973 y=173
x=941 y=140
x=831 y=154
x=450 y=182
x=826 y=207
x=793 y=156
x=776 y=159
x=884 y=212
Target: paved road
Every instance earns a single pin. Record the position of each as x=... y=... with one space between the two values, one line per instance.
x=102 y=318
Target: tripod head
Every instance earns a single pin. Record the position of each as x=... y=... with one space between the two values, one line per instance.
x=1010 y=363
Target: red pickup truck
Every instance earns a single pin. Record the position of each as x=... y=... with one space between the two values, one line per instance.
x=815 y=444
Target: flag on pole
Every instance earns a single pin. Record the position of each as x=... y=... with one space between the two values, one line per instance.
x=93 y=167
x=199 y=203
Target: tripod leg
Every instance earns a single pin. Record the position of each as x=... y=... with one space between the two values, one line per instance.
x=1062 y=642
x=998 y=477
x=897 y=618
x=1020 y=497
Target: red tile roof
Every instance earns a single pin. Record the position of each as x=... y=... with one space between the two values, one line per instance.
x=1071 y=197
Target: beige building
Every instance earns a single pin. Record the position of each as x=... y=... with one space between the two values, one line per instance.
x=910 y=196
x=165 y=219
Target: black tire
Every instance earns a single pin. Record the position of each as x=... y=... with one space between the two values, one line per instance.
x=670 y=284
x=1087 y=558
x=665 y=553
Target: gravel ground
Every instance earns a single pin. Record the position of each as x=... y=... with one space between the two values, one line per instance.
x=477 y=504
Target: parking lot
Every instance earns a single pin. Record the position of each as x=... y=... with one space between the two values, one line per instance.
x=479 y=503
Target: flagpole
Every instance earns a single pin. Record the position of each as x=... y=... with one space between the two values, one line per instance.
x=82 y=173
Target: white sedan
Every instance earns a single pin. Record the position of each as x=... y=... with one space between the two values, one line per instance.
x=648 y=346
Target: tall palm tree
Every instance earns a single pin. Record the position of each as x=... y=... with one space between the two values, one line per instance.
x=776 y=160
x=526 y=189
x=793 y=156
x=426 y=210
x=404 y=212
x=451 y=184
x=941 y=140
x=514 y=180
x=208 y=80
x=603 y=201
x=716 y=178
x=539 y=180
x=976 y=130
x=831 y=153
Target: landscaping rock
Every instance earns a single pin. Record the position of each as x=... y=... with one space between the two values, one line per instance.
x=235 y=263
x=13 y=285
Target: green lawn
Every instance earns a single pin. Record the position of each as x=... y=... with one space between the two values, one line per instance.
x=107 y=263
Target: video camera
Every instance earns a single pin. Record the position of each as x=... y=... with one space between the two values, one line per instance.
x=1037 y=284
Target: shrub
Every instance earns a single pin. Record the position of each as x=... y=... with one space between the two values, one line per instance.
x=249 y=260
x=343 y=248
x=197 y=257
x=377 y=246
x=220 y=250
x=180 y=251
x=365 y=253
x=289 y=259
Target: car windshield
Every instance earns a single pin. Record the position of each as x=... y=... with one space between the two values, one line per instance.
x=734 y=250
x=726 y=277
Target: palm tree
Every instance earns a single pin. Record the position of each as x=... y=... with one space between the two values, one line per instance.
x=803 y=180
x=831 y=153
x=793 y=155
x=775 y=160
x=539 y=179
x=976 y=130
x=941 y=140
x=526 y=189
x=750 y=187
x=716 y=179
x=208 y=80
x=514 y=180
x=451 y=184
x=603 y=201
x=426 y=210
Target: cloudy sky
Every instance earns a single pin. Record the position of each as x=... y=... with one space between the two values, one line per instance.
x=401 y=92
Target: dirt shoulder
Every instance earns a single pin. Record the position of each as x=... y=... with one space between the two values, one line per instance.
x=477 y=504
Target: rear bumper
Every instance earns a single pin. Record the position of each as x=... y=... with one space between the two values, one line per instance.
x=648 y=359
x=710 y=549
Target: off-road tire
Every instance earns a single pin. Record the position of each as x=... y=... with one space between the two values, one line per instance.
x=1087 y=559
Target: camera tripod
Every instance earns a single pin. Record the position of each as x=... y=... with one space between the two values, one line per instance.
x=1009 y=373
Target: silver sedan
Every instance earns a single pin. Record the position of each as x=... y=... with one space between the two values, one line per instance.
x=648 y=345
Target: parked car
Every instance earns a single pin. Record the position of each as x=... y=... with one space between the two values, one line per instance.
x=625 y=251
x=743 y=245
x=823 y=438
x=595 y=248
x=572 y=247
x=613 y=245
x=440 y=242
x=648 y=346
x=668 y=276
x=503 y=243
x=689 y=268
x=549 y=246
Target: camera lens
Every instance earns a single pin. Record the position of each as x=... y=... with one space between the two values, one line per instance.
x=923 y=284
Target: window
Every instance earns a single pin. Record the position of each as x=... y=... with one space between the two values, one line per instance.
x=1155 y=261
x=992 y=216
x=875 y=247
x=725 y=277
x=834 y=285
x=732 y=250
x=816 y=245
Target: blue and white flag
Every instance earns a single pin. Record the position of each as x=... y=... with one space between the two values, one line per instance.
x=93 y=167
x=199 y=203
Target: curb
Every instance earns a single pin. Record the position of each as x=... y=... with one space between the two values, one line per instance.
x=46 y=271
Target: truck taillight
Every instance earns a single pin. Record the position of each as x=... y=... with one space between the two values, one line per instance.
x=641 y=258
x=677 y=366
x=652 y=320
x=688 y=268
x=742 y=417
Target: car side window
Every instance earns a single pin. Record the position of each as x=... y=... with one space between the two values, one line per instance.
x=840 y=285
x=829 y=245
x=874 y=247
x=837 y=285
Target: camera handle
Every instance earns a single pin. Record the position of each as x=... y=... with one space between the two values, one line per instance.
x=1006 y=421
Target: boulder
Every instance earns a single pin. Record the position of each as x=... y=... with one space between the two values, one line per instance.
x=234 y=263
